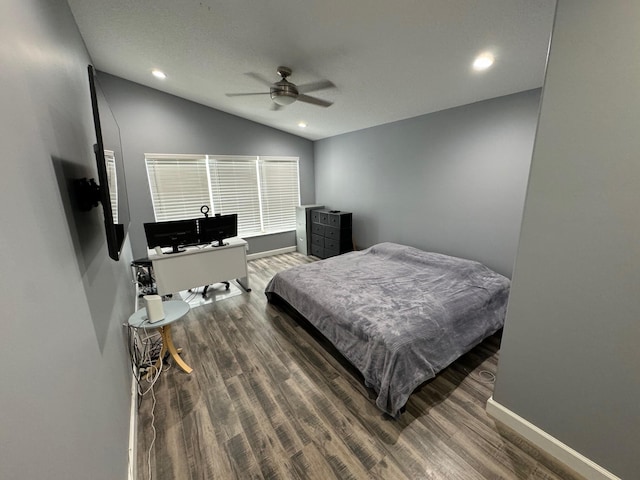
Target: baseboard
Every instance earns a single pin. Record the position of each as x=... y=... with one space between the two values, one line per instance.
x=552 y=446
x=268 y=253
x=133 y=431
x=132 y=472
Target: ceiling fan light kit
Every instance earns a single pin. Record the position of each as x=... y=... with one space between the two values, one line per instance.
x=283 y=99
x=284 y=92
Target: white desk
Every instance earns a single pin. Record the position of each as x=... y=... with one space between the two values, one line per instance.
x=201 y=266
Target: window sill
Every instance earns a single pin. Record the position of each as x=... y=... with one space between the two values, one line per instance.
x=265 y=234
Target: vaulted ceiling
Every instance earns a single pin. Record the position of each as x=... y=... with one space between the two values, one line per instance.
x=388 y=60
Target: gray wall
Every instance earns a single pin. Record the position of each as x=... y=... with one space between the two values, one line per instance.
x=155 y=122
x=570 y=357
x=65 y=380
x=452 y=181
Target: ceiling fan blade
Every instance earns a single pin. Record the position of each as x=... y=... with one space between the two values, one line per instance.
x=259 y=78
x=244 y=94
x=314 y=101
x=315 y=86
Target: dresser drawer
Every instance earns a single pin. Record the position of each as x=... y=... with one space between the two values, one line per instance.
x=317 y=240
x=318 y=229
x=331 y=232
x=339 y=219
x=331 y=244
x=317 y=251
x=330 y=252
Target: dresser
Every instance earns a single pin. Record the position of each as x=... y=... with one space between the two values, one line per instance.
x=330 y=233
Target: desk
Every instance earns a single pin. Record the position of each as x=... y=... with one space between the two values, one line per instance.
x=201 y=266
x=173 y=310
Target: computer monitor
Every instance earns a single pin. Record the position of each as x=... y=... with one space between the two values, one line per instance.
x=172 y=234
x=216 y=229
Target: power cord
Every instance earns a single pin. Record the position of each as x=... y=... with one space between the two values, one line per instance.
x=153 y=406
x=153 y=427
x=483 y=376
x=145 y=348
x=144 y=354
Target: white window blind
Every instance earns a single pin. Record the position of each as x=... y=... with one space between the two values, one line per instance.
x=263 y=191
x=179 y=186
x=112 y=182
x=234 y=185
x=279 y=192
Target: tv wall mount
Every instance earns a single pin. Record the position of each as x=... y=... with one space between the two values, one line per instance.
x=87 y=193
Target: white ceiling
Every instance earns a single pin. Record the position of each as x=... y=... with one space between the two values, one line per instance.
x=389 y=59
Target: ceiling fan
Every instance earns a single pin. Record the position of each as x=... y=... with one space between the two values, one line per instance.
x=283 y=92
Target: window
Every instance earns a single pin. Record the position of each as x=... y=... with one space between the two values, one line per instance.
x=263 y=191
x=112 y=182
x=234 y=185
x=179 y=187
x=279 y=193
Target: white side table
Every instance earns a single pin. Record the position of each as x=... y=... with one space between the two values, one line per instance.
x=173 y=310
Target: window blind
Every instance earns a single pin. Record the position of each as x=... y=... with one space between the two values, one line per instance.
x=112 y=181
x=263 y=191
x=179 y=186
x=279 y=192
x=234 y=186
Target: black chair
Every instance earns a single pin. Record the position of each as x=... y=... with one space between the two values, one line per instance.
x=206 y=287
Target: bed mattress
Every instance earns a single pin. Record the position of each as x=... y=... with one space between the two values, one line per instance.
x=397 y=313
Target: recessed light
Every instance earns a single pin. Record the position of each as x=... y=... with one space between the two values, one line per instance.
x=302 y=124
x=483 y=61
x=158 y=74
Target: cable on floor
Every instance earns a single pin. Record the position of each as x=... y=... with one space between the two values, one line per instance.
x=485 y=376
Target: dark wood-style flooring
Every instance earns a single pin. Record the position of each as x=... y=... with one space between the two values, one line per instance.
x=270 y=398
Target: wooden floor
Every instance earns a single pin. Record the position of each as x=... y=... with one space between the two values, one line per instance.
x=269 y=398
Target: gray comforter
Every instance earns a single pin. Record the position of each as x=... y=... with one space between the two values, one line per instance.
x=398 y=314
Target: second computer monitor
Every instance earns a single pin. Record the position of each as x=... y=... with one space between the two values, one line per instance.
x=216 y=229
x=172 y=234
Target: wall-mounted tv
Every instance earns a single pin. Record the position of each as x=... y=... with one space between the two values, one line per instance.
x=111 y=190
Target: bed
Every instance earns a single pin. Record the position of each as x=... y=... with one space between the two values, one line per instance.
x=398 y=314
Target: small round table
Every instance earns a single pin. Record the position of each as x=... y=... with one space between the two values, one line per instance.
x=173 y=310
